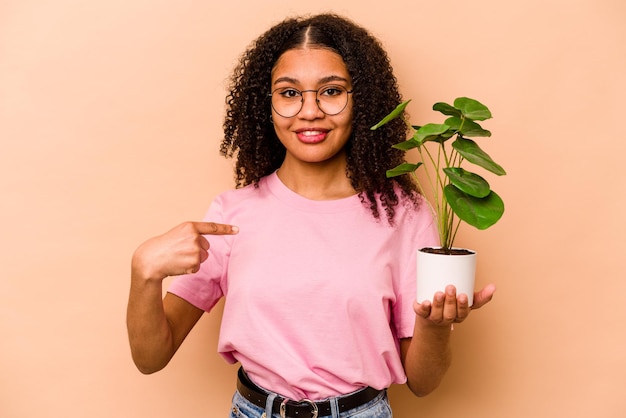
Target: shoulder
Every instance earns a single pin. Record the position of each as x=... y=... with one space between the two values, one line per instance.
x=416 y=212
x=244 y=200
x=251 y=191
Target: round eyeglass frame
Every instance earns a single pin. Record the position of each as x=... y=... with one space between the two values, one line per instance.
x=317 y=101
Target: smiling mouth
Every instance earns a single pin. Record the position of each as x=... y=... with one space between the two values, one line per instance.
x=312 y=136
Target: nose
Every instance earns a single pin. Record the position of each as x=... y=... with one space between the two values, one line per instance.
x=310 y=108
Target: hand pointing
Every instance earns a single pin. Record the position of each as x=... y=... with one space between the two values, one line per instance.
x=181 y=250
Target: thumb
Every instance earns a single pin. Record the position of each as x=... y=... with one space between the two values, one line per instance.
x=483 y=296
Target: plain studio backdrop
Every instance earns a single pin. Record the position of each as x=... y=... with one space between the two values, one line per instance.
x=110 y=124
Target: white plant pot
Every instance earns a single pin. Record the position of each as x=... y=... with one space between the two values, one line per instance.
x=436 y=271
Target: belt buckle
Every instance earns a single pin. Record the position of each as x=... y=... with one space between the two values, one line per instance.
x=283 y=407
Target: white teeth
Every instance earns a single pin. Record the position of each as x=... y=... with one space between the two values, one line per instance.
x=311 y=133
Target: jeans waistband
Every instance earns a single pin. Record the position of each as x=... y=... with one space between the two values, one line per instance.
x=304 y=408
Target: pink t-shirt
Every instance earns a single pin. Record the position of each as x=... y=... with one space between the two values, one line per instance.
x=317 y=292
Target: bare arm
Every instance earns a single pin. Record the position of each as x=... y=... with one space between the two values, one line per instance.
x=157 y=326
x=427 y=355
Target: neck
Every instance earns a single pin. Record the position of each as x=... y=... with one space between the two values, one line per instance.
x=317 y=181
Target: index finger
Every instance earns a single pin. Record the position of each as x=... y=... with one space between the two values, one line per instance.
x=213 y=228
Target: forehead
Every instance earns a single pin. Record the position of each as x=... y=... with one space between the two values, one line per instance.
x=309 y=65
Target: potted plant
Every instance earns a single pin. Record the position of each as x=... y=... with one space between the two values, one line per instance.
x=458 y=194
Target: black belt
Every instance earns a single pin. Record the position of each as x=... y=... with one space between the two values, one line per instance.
x=304 y=408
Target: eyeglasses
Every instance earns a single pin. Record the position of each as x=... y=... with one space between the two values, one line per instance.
x=288 y=101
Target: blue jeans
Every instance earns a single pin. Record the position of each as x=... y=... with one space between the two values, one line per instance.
x=376 y=408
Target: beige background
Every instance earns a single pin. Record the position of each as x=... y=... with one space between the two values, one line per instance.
x=110 y=120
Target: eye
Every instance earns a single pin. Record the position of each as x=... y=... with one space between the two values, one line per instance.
x=332 y=91
x=289 y=93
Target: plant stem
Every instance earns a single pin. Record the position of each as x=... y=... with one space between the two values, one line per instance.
x=456 y=229
x=434 y=180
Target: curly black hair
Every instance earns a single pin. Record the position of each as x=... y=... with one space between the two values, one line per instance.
x=249 y=133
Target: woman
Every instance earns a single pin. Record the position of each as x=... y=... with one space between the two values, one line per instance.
x=314 y=251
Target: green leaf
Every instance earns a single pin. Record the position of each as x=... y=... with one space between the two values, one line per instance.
x=446 y=109
x=472 y=129
x=454 y=122
x=391 y=116
x=467 y=127
x=406 y=145
x=430 y=132
x=481 y=213
x=403 y=168
x=470 y=183
x=448 y=134
x=472 y=109
x=472 y=153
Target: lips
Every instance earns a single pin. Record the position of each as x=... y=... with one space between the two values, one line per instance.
x=311 y=135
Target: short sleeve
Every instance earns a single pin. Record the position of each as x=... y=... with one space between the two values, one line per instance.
x=204 y=288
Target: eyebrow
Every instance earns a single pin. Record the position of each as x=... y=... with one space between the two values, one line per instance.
x=323 y=80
